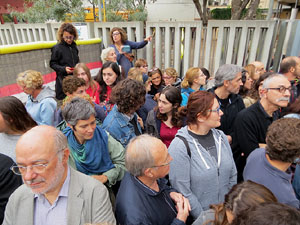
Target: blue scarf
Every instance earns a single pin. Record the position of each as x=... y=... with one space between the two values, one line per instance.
x=91 y=158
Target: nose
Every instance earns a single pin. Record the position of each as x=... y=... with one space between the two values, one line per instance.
x=29 y=173
x=221 y=112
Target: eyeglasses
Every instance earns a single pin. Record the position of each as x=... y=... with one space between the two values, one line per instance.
x=165 y=164
x=281 y=89
x=68 y=37
x=36 y=168
x=115 y=33
x=215 y=110
x=145 y=66
x=167 y=77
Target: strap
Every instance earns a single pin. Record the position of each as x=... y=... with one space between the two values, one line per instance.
x=188 y=150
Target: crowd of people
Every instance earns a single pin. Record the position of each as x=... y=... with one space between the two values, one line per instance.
x=138 y=145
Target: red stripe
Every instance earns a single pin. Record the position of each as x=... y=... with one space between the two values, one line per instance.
x=13 y=89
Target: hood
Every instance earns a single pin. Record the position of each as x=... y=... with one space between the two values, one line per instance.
x=177 y=82
x=46 y=92
x=187 y=90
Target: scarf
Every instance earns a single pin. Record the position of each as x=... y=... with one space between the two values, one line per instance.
x=92 y=157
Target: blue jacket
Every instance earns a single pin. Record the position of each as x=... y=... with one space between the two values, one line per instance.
x=119 y=126
x=136 y=204
x=122 y=60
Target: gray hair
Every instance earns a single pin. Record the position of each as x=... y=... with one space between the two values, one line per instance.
x=268 y=80
x=105 y=53
x=226 y=72
x=138 y=156
x=77 y=109
x=60 y=142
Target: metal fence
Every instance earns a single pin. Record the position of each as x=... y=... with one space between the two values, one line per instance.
x=184 y=44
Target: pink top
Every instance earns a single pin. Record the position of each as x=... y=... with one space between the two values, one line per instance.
x=167 y=134
x=94 y=94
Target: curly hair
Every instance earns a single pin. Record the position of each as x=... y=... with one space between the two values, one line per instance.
x=282 y=140
x=128 y=94
x=241 y=197
x=171 y=72
x=199 y=103
x=72 y=83
x=30 y=79
x=66 y=27
x=105 y=52
x=122 y=32
x=190 y=75
x=83 y=66
x=173 y=95
x=103 y=87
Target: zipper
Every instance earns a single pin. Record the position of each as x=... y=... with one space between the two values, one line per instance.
x=72 y=56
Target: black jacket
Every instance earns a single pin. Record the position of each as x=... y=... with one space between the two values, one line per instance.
x=63 y=55
x=235 y=105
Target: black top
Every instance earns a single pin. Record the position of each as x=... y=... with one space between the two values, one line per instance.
x=207 y=141
x=63 y=55
x=234 y=105
x=250 y=129
x=9 y=182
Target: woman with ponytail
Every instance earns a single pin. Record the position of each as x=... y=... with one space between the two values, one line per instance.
x=164 y=120
x=193 y=81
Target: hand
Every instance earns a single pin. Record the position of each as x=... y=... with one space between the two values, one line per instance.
x=183 y=209
x=156 y=97
x=69 y=70
x=229 y=138
x=176 y=197
x=102 y=178
x=148 y=38
x=140 y=120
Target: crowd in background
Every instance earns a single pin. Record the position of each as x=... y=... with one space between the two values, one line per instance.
x=169 y=150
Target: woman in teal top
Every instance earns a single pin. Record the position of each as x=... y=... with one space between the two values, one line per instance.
x=193 y=81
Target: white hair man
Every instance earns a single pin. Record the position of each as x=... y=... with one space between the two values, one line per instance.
x=53 y=193
x=251 y=124
x=144 y=197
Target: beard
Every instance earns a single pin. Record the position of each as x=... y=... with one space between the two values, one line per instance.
x=52 y=183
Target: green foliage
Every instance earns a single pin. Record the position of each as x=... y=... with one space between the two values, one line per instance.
x=7 y=18
x=225 y=14
x=135 y=9
x=57 y=10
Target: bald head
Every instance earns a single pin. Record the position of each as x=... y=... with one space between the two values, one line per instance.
x=290 y=67
x=141 y=153
x=42 y=136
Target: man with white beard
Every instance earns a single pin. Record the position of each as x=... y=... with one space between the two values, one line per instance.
x=251 y=124
x=53 y=193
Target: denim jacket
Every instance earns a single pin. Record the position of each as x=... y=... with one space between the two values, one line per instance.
x=118 y=125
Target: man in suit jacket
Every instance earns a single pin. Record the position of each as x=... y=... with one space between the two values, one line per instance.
x=52 y=192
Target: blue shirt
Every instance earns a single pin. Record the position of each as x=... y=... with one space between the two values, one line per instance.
x=47 y=214
x=259 y=170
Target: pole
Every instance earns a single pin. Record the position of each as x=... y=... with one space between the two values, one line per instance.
x=99 y=11
x=104 y=12
x=270 y=11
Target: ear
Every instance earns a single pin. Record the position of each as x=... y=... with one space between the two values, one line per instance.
x=148 y=172
x=69 y=125
x=292 y=69
x=66 y=155
x=226 y=83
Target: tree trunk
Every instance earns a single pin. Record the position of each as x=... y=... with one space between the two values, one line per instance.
x=203 y=13
x=237 y=7
x=251 y=13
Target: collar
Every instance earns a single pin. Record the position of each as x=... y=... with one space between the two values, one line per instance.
x=122 y=118
x=261 y=108
x=162 y=184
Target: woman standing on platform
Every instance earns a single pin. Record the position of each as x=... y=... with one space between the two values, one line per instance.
x=123 y=47
x=64 y=56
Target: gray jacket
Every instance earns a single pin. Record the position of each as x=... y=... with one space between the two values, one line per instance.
x=200 y=178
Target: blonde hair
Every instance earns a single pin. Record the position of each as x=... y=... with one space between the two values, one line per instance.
x=83 y=66
x=250 y=68
x=30 y=79
x=190 y=76
x=171 y=72
x=135 y=74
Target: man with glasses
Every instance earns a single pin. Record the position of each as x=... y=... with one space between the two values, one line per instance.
x=53 y=193
x=251 y=124
x=144 y=197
